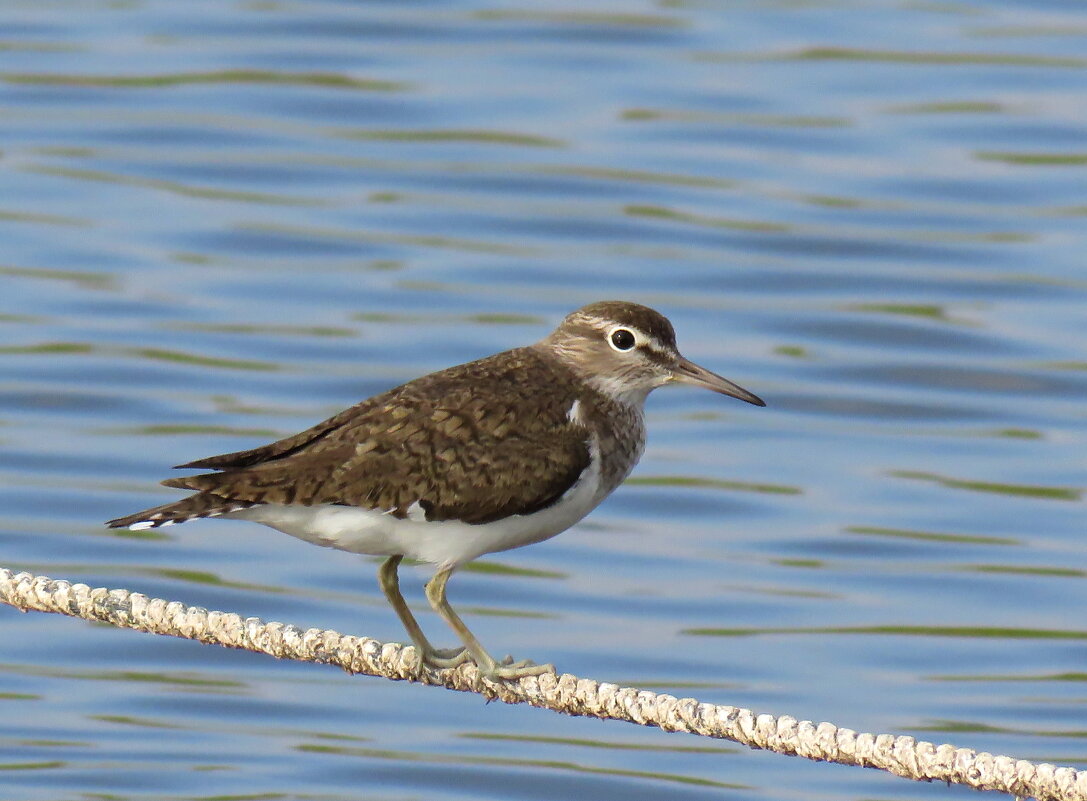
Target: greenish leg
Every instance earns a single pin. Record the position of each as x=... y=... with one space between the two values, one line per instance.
x=428 y=654
x=488 y=667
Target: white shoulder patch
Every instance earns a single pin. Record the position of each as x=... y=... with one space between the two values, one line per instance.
x=416 y=513
x=574 y=415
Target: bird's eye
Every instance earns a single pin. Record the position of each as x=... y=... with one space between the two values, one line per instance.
x=622 y=339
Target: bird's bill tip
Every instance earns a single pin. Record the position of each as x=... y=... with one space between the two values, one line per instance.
x=687 y=372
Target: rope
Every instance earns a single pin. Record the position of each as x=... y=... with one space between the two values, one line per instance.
x=902 y=756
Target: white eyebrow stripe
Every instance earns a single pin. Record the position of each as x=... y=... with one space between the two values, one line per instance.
x=601 y=324
x=640 y=337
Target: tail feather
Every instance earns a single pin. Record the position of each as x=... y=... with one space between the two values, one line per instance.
x=202 y=504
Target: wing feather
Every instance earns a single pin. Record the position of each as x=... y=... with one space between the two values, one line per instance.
x=456 y=442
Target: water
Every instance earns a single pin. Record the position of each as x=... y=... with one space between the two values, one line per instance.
x=225 y=221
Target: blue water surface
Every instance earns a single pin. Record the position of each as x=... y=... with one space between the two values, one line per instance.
x=224 y=221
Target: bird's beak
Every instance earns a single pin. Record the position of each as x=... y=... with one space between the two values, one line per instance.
x=687 y=372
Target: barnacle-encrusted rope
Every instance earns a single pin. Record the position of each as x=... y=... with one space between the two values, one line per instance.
x=902 y=756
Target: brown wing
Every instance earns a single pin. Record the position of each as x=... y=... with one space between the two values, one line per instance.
x=456 y=442
x=274 y=450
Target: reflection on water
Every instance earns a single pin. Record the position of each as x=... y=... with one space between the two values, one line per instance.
x=223 y=222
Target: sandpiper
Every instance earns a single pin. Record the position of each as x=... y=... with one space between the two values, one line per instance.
x=475 y=459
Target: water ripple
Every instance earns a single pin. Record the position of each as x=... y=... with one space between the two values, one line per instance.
x=225 y=222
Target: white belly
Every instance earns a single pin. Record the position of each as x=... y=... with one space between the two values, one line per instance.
x=447 y=543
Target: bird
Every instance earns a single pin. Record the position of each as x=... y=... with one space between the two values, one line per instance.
x=478 y=458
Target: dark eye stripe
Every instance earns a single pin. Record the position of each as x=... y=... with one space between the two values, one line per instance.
x=657 y=357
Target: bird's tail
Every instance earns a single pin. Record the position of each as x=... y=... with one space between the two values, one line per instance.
x=202 y=504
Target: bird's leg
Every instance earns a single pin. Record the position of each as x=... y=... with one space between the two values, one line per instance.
x=428 y=654
x=488 y=667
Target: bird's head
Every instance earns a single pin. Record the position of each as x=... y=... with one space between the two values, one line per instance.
x=625 y=351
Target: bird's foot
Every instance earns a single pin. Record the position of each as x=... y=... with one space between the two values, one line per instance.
x=509 y=669
x=443 y=658
x=446 y=657
x=510 y=662
x=440 y=658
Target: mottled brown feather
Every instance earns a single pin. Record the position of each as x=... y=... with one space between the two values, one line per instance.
x=458 y=442
x=203 y=504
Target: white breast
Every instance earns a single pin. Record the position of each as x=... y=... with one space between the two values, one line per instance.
x=447 y=543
